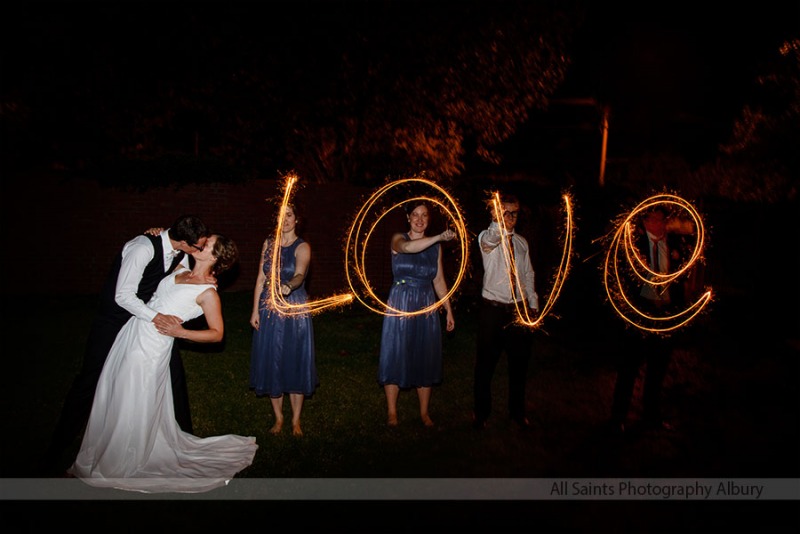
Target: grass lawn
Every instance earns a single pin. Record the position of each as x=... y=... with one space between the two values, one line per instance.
x=731 y=403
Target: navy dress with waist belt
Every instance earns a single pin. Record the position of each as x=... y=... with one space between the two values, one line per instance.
x=411 y=346
x=283 y=358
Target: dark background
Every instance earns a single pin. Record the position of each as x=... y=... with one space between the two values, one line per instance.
x=674 y=76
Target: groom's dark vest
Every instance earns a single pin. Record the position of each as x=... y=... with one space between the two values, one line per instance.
x=153 y=273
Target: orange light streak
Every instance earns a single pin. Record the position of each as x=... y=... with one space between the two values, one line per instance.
x=523 y=314
x=277 y=302
x=355 y=257
x=622 y=245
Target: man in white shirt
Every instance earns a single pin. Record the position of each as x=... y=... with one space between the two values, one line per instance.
x=497 y=327
x=134 y=276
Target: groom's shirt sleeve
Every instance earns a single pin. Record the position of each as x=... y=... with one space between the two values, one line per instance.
x=136 y=254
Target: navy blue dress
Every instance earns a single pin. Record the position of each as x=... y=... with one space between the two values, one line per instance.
x=411 y=346
x=282 y=358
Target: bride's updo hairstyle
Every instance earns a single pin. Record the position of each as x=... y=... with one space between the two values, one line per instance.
x=226 y=253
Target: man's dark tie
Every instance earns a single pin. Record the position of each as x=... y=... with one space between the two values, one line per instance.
x=512 y=267
x=655 y=255
x=657 y=260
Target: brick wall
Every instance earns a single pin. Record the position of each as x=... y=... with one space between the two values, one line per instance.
x=62 y=234
x=68 y=231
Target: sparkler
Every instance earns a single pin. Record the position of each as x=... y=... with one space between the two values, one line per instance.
x=278 y=303
x=523 y=314
x=622 y=245
x=356 y=248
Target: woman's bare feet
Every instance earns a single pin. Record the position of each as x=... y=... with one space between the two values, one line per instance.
x=391 y=420
x=427 y=421
x=277 y=427
x=296 y=430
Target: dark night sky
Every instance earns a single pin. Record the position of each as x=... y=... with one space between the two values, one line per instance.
x=682 y=55
x=671 y=71
x=677 y=68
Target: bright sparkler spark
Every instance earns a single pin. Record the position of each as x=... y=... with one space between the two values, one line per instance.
x=278 y=303
x=624 y=239
x=523 y=314
x=356 y=248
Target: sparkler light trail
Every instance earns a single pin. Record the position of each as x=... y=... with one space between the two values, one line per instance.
x=523 y=314
x=623 y=258
x=359 y=236
x=277 y=302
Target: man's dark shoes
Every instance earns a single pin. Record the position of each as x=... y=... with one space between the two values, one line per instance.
x=479 y=423
x=652 y=424
x=51 y=469
x=521 y=422
x=614 y=428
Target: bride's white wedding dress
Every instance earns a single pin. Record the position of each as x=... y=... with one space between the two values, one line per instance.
x=132 y=440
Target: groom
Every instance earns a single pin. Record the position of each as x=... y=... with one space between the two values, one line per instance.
x=134 y=276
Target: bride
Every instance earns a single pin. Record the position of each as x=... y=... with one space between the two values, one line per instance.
x=132 y=440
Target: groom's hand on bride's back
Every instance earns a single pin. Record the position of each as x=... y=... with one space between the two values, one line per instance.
x=164 y=323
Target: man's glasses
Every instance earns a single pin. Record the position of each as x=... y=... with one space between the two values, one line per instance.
x=512 y=214
x=198 y=247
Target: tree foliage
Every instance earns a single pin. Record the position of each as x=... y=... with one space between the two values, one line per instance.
x=349 y=90
x=432 y=92
x=761 y=162
x=425 y=94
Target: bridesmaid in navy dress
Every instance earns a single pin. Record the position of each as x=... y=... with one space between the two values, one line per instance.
x=411 y=345
x=282 y=359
